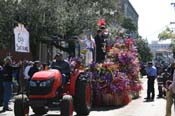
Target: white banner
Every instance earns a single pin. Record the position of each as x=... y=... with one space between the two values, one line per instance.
x=21 y=39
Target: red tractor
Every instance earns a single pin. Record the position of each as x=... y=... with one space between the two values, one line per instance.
x=47 y=92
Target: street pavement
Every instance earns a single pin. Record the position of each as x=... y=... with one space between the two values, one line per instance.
x=137 y=107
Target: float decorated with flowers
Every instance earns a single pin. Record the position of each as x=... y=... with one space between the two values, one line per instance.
x=116 y=81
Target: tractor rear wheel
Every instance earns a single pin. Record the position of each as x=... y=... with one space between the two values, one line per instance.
x=21 y=106
x=83 y=97
x=67 y=106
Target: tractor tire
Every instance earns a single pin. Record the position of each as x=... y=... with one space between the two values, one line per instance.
x=83 y=97
x=67 y=106
x=39 y=111
x=21 y=106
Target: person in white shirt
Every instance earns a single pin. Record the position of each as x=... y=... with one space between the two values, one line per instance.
x=26 y=75
x=27 y=68
x=90 y=46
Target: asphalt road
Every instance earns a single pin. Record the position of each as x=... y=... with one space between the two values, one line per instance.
x=137 y=107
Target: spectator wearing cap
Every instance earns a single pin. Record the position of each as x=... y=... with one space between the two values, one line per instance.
x=151 y=75
x=26 y=70
x=27 y=77
x=35 y=68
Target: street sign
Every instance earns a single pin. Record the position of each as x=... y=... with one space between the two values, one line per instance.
x=21 y=39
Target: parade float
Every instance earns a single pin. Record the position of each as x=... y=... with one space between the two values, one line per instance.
x=116 y=81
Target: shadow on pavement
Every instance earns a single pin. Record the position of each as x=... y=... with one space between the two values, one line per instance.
x=94 y=108
x=50 y=115
x=106 y=108
x=147 y=101
x=135 y=98
x=47 y=115
x=2 y=111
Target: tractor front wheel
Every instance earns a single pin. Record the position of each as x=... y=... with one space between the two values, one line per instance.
x=67 y=106
x=21 y=106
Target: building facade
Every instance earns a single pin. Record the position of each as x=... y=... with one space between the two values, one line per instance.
x=129 y=11
x=161 y=51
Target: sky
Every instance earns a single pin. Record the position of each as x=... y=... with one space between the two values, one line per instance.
x=154 y=17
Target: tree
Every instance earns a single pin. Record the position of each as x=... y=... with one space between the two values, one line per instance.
x=166 y=34
x=144 y=51
x=36 y=15
x=77 y=17
x=39 y=17
x=7 y=22
x=46 y=18
x=128 y=24
x=109 y=10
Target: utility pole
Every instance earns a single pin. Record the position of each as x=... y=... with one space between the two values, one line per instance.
x=172 y=4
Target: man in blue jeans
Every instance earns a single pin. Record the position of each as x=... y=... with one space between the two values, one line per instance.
x=7 y=83
x=1 y=84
